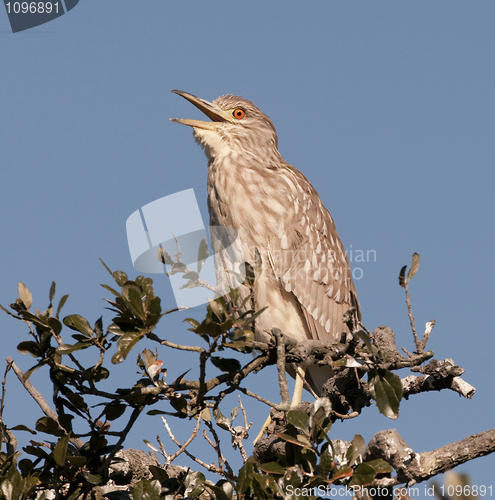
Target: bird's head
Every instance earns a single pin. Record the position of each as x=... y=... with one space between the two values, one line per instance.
x=237 y=126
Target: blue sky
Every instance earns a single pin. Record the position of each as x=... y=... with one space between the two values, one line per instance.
x=386 y=106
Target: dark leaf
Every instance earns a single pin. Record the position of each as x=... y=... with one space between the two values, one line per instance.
x=125 y=345
x=386 y=389
x=68 y=348
x=290 y=439
x=227 y=365
x=111 y=290
x=55 y=325
x=146 y=489
x=49 y=426
x=272 y=468
x=61 y=304
x=159 y=474
x=341 y=473
x=299 y=420
x=326 y=461
x=31 y=347
x=402 y=277
x=380 y=466
x=60 y=451
x=78 y=323
x=52 y=291
x=92 y=478
x=363 y=474
x=21 y=427
x=132 y=293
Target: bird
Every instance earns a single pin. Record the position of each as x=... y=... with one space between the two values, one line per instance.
x=306 y=281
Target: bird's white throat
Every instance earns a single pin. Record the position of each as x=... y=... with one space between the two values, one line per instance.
x=213 y=145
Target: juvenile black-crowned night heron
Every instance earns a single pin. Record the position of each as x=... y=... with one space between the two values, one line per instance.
x=306 y=279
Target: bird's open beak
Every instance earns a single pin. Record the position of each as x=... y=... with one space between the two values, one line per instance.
x=211 y=111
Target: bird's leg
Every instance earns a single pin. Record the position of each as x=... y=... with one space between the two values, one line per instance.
x=296 y=397
x=300 y=374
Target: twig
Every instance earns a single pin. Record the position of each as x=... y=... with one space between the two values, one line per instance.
x=216 y=446
x=134 y=416
x=40 y=400
x=153 y=336
x=182 y=448
x=211 y=467
x=411 y=318
x=429 y=327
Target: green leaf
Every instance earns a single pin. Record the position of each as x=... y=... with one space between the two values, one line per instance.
x=31 y=347
x=326 y=462
x=380 y=466
x=69 y=348
x=80 y=324
x=147 y=489
x=111 y=290
x=272 y=468
x=203 y=254
x=402 y=277
x=52 y=291
x=55 y=325
x=193 y=322
x=227 y=365
x=159 y=474
x=357 y=446
x=60 y=451
x=125 y=345
x=363 y=474
x=92 y=478
x=25 y=295
x=132 y=293
x=49 y=426
x=290 y=439
x=299 y=420
x=61 y=304
x=22 y=427
x=414 y=266
x=217 y=309
x=386 y=389
x=120 y=277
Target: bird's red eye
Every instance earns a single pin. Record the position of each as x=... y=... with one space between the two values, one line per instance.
x=239 y=113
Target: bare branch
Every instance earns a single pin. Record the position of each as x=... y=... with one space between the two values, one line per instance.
x=40 y=400
x=414 y=467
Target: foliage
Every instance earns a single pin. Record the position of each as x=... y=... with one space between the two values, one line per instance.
x=76 y=460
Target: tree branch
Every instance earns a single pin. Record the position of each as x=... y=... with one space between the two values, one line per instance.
x=414 y=467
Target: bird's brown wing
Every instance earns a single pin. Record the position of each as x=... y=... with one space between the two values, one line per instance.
x=313 y=265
